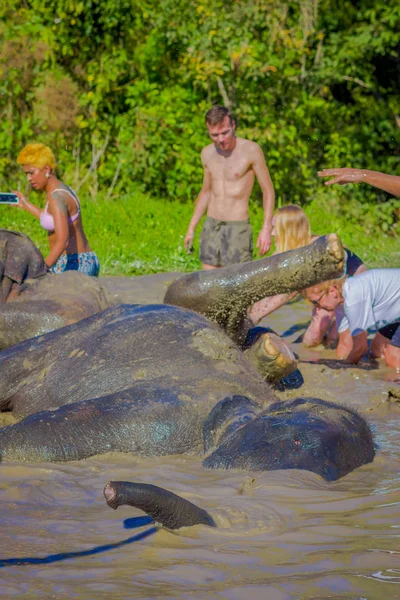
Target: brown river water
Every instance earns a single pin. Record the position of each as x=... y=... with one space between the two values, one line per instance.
x=281 y=534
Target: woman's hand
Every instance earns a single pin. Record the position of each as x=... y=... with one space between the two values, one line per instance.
x=23 y=202
x=343 y=176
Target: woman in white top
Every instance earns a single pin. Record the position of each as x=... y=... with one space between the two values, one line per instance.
x=370 y=301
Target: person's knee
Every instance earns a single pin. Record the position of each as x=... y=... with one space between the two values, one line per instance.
x=378 y=345
x=392 y=356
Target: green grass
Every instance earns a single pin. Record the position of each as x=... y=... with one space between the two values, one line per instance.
x=137 y=234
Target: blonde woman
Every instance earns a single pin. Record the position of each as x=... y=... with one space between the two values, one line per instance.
x=291 y=230
x=371 y=300
x=61 y=216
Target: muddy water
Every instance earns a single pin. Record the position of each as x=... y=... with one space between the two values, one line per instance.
x=283 y=534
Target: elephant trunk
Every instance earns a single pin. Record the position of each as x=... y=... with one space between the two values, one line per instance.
x=163 y=506
x=224 y=295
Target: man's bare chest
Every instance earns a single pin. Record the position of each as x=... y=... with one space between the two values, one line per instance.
x=230 y=168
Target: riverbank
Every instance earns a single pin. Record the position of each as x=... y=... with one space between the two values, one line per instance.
x=137 y=234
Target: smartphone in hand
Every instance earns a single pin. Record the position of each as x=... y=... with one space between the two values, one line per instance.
x=8 y=198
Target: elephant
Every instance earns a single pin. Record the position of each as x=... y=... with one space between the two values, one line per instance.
x=157 y=380
x=34 y=301
x=46 y=302
x=224 y=295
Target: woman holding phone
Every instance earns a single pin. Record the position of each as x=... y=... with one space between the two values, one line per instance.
x=61 y=216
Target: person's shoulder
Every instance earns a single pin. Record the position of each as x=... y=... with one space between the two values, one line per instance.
x=248 y=144
x=251 y=149
x=207 y=152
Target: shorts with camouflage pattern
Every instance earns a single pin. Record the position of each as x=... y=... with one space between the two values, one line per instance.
x=225 y=243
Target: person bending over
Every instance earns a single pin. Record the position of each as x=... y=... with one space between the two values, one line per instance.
x=230 y=164
x=291 y=229
x=61 y=216
x=371 y=300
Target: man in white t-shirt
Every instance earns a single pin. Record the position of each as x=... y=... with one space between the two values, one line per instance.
x=370 y=301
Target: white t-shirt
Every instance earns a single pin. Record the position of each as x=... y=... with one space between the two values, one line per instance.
x=371 y=300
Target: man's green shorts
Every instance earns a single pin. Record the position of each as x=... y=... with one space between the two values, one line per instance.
x=225 y=243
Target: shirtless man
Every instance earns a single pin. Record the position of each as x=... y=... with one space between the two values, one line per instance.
x=230 y=164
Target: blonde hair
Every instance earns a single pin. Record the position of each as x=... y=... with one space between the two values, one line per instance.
x=324 y=286
x=292 y=228
x=37 y=155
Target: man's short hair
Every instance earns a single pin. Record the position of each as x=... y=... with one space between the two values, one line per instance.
x=217 y=114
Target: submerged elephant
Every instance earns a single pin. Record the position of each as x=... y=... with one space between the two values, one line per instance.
x=156 y=380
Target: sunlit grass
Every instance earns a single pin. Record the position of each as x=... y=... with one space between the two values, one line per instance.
x=137 y=234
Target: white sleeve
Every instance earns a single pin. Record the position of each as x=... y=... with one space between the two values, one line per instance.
x=359 y=315
x=343 y=324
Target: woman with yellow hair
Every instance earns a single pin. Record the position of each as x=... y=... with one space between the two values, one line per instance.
x=291 y=229
x=371 y=300
x=61 y=216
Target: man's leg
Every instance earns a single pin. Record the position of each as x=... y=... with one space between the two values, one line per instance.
x=236 y=243
x=210 y=245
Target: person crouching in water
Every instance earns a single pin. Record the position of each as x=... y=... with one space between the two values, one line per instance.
x=370 y=300
x=61 y=217
x=290 y=230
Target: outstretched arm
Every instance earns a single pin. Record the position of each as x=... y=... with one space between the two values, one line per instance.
x=200 y=208
x=382 y=181
x=267 y=305
x=268 y=192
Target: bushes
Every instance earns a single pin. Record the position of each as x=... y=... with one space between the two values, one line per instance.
x=119 y=89
x=137 y=234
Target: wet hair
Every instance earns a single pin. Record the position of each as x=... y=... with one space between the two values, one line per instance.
x=37 y=155
x=292 y=228
x=217 y=114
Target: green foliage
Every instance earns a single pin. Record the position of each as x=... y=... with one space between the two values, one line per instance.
x=119 y=90
x=137 y=234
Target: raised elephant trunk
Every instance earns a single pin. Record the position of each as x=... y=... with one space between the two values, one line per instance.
x=224 y=295
x=164 y=507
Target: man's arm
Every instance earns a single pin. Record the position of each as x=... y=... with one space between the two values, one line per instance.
x=382 y=181
x=200 y=207
x=264 y=179
x=360 y=347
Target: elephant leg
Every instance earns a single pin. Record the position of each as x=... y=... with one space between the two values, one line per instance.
x=163 y=506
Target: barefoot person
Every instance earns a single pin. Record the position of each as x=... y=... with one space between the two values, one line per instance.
x=230 y=164
x=382 y=181
x=370 y=300
x=61 y=217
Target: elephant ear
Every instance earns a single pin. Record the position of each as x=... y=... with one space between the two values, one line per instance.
x=23 y=260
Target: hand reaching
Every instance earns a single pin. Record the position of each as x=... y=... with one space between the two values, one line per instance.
x=343 y=176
